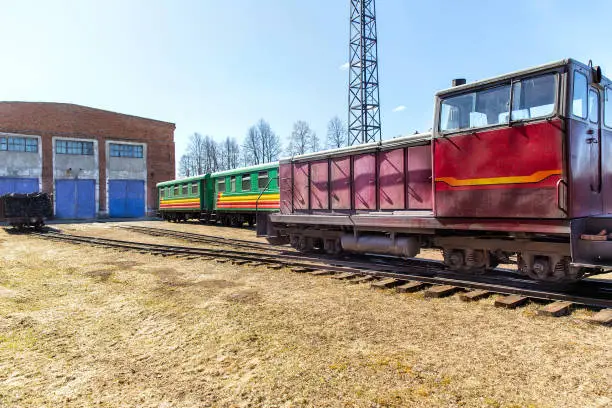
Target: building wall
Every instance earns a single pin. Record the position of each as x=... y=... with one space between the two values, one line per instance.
x=21 y=164
x=53 y=120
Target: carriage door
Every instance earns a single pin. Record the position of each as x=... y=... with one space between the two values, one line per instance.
x=594 y=138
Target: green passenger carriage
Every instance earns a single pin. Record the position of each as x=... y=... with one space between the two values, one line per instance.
x=233 y=197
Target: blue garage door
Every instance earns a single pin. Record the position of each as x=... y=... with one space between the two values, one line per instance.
x=126 y=198
x=75 y=199
x=18 y=185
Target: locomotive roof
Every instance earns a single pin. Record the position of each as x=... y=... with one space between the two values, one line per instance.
x=241 y=170
x=182 y=180
x=520 y=73
x=415 y=139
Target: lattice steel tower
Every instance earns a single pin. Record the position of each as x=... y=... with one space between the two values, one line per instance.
x=364 y=112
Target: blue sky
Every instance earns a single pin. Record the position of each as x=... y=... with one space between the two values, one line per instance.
x=216 y=67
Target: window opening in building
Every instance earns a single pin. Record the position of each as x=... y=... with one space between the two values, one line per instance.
x=246 y=182
x=126 y=150
x=74 y=147
x=262 y=180
x=19 y=144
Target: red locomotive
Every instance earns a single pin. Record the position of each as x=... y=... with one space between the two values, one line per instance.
x=515 y=165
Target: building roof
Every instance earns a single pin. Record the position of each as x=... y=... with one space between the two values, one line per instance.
x=73 y=105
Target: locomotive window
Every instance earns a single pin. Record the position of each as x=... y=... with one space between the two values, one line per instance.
x=221 y=186
x=176 y=191
x=608 y=108
x=476 y=109
x=579 y=101
x=162 y=193
x=195 y=188
x=233 y=184
x=246 y=182
x=593 y=106
x=262 y=180
x=184 y=189
x=533 y=97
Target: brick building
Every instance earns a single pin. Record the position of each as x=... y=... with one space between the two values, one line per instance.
x=95 y=162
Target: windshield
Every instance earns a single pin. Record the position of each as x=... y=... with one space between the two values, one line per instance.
x=531 y=98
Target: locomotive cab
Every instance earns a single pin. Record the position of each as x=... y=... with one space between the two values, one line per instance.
x=530 y=145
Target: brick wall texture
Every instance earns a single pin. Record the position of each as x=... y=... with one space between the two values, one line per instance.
x=75 y=121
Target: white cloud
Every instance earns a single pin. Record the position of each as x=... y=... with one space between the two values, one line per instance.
x=399 y=108
x=344 y=66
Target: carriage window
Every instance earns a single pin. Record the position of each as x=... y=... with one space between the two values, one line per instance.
x=608 y=108
x=221 y=186
x=162 y=193
x=262 y=180
x=579 y=101
x=533 y=97
x=476 y=109
x=593 y=106
x=184 y=189
x=233 y=183
x=176 y=191
x=195 y=188
x=246 y=182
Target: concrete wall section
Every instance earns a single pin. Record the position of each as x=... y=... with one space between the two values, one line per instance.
x=22 y=164
x=74 y=166
x=127 y=168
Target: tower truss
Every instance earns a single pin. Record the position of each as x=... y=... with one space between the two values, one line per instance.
x=363 y=98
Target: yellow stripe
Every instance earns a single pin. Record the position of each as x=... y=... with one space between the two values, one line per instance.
x=533 y=178
x=250 y=197
x=180 y=200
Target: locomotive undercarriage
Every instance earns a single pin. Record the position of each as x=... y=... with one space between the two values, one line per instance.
x=228 y=220
x=542 y=258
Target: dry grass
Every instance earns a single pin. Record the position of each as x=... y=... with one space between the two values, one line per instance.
x=84 y=326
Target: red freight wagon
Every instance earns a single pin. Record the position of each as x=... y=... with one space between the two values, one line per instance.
x=515 y=165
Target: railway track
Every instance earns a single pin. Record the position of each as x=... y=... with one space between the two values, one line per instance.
x=202 y=238
x=428 y=275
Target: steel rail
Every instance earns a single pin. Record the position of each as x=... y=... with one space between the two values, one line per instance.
x=591 y=293
x=190 y=236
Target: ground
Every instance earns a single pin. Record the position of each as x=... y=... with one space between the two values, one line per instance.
x=82 y=326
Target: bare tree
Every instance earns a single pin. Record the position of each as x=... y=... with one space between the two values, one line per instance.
x=314 y=143
x=261 y=144
x=186 y=166
x=211 y=155
x=270 y=142
x=301 y=140
x=230 y=154
x=201 y=157
x=336 y=133
x=252 y=147
x=197 y=151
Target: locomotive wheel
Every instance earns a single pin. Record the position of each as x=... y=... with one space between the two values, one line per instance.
x=544 y=271
x=454 y=259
